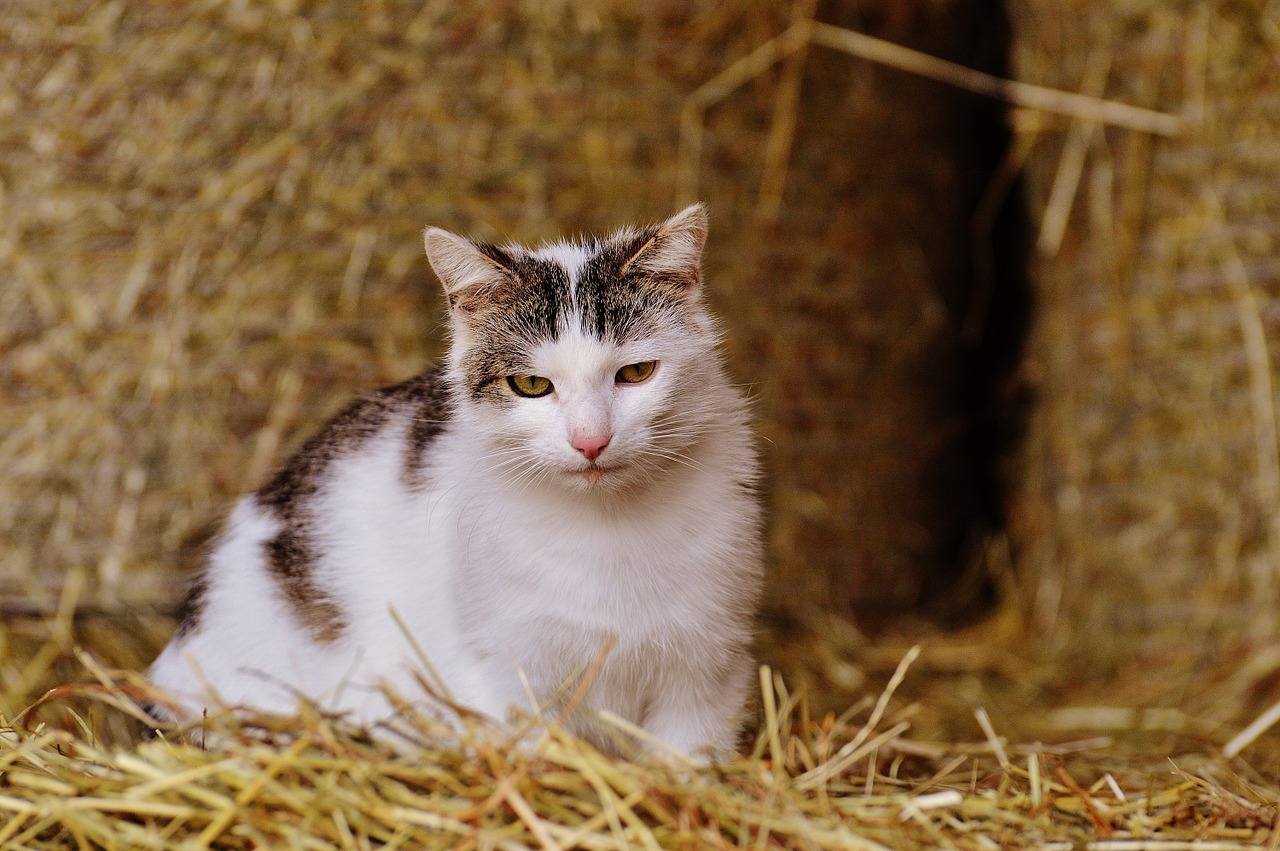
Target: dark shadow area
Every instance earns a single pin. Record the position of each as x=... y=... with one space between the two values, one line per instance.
x=891 y=352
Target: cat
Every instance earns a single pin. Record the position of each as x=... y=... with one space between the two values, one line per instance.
x=578 y=481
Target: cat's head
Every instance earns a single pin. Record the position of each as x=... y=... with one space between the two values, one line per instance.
x=585 y=364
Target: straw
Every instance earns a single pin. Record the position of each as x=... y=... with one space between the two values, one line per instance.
x=311 y=781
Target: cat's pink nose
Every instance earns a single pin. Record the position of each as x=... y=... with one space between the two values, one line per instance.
x=590 y=445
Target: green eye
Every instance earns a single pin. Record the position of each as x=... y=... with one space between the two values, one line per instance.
x=531 y=386
x=634 y=373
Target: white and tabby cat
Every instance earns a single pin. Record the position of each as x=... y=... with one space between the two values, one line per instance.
x=579 y=472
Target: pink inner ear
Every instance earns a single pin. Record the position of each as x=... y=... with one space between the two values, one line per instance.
x=673 y=250
x=462 y=265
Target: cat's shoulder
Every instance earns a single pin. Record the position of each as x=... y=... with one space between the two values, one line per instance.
x=421 y=406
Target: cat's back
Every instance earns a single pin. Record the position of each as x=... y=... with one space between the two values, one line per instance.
x=270 y=581
x=363 y=462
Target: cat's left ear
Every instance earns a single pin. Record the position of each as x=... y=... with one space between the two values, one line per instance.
x=673 y=250
x=464 y=267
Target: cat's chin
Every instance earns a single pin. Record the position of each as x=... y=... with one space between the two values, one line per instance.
x=598 y=477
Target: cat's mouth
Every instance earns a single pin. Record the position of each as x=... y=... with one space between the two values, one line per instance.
x=594 y=473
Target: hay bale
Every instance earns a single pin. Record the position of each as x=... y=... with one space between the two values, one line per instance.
x=211 y=221
x=1148 y=490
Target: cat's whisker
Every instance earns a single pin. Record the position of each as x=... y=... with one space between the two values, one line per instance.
x=678 y=457
x=504 y=455
x=684 y=439
x=521 y=471
x=530 y=477
x=679 y=428
x=687 y=461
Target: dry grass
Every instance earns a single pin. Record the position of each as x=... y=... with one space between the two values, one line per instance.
x=73 y=773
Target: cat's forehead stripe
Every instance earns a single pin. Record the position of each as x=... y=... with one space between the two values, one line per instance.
x=546 y=295
x=583 y=286
x=568 y=256
x=612 y=305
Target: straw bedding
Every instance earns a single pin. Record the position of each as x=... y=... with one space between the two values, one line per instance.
x=74 y=773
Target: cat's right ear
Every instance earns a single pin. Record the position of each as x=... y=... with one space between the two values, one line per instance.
x=462 y=266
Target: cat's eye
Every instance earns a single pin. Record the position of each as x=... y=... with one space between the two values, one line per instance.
x=530 y=386
x=634 y=373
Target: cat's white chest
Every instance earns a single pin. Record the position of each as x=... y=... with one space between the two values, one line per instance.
x=544 y=586
x=597 y=572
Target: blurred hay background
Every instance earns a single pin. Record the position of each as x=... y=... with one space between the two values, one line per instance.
x=210 y=240
x=1148 y=490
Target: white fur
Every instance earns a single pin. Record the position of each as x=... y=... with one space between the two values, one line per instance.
x=516 y=558
x=571 y=256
